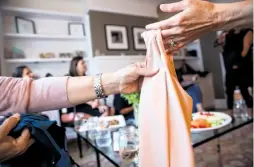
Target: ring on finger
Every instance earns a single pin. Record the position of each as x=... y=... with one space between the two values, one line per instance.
x=172 y=43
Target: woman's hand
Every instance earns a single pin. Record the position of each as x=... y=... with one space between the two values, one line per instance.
x=131 y=77
x=103 y=109
x=10 y=147
x=196 y=18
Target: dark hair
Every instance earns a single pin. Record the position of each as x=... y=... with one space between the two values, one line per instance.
x=48 y=75
x=19 y=71
x=73 y=66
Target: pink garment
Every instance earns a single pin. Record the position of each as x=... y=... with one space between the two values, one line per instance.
x=164 y=112
x=27 y=95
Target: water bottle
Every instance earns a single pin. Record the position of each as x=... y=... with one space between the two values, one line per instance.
x=240 y=110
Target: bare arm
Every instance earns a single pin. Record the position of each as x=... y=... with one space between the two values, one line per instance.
x=27 y=95
x=195 y=18
x=84 y=85
x=234 y=15
x=247 y=41
x=126 y=110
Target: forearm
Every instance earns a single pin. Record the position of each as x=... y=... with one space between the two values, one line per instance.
x=80 y=89
x=234 y=15
x=126 y=110
x=27 y=95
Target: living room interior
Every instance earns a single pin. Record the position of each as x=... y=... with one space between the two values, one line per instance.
x=62 y=29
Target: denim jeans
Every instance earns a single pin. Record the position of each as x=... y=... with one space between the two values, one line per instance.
x=196 y=95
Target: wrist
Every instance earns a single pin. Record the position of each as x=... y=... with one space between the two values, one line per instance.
x=110 y=83
x=233 y=15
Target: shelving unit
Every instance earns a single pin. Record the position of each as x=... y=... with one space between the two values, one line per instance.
x=52 y=36
x=37 y=13
x=42 y=36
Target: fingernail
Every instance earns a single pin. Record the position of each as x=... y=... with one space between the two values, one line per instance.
x=162 y=5
x=17 y=116
x=148 y=26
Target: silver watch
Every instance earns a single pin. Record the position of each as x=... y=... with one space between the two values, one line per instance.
x=97 y=87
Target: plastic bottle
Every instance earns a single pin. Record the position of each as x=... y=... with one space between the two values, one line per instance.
x=240 y=110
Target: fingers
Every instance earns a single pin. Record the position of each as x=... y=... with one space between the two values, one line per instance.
x=173 y=7
x=23 y=142
x=164 y=24
x=147 y=72
x=8 y=125
x=174 y=21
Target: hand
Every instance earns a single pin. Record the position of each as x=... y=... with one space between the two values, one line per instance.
x=10 y=147
x=103 y=109
x=131 y=77
x=196 y=18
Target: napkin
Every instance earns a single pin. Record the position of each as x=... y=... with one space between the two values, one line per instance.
x=164 y=112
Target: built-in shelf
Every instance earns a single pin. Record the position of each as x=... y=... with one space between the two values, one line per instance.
x=39 y=60
x=42 y=36
x=38 y=13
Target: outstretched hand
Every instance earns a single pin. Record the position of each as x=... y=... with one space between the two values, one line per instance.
x=196 y=18
x=131 y=77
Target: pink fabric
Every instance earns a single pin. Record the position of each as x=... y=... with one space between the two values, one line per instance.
x=27 y=95
x=164 y=113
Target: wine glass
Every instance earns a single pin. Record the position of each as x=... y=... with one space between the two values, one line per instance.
x=129 y=144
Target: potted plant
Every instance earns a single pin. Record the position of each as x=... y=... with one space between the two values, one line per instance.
x=133 y=99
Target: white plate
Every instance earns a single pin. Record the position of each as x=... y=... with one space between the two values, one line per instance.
x=226 y=117
x=120 y=118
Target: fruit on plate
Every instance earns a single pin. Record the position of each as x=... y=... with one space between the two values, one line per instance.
x=200 y=123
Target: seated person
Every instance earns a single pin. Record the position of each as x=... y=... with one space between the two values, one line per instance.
x=122 y=107
x=23 y=72
x=86 y=110
x=194 y=91
x=186 y=69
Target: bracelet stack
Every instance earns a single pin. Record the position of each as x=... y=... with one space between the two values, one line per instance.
x=97 y=87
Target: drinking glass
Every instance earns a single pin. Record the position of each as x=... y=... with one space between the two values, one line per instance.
x=129 y=144
x=103 y=136
x=91 y=125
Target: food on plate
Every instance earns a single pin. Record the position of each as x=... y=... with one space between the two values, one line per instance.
x=105 y=124
x=206 y=120
x=200 y=123
x=113 y=122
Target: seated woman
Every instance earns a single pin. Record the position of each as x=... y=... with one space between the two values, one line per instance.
x=122 y=107
x=86 y=110
x=23 y=72
x=194 y=91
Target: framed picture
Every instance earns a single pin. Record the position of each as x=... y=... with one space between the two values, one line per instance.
x=116 y=37
x=24 y=26
x=139 y=43
x=76 y=29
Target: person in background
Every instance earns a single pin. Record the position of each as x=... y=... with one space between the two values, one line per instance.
x=122 y=107
x=92 y=108
x=238 y=62
x=194 y=91
x=23 y=72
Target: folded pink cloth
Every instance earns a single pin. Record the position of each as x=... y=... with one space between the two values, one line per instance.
x=164 y=112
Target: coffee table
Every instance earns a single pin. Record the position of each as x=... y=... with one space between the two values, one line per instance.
x=197 y=140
